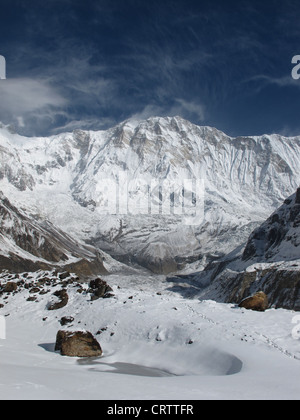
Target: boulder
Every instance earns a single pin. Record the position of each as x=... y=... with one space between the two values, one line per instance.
x=77 y=344
x=258 y=302
x=64 y=298
x=64 y=275
x=99 y=288
x=66 y=320
x=10 y=287
x=34 y=290
x=32 y=299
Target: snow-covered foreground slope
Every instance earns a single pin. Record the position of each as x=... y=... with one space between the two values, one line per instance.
x=155 y=346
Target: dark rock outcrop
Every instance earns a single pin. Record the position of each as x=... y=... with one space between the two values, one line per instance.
x=279 y=236
x=10 y=287
x=298 y=196
x=66 y=320
x=99 y=288
x=270 y=262
x=38 y=245
x=64 y=298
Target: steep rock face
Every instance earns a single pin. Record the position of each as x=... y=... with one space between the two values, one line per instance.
x=29 y=244
x=279 y=237
x=280 y=282
x=69 y=180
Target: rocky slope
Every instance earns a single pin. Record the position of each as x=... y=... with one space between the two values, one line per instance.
x=28 y=244
x=76 y=181
x=279 y=237
x=270 y=262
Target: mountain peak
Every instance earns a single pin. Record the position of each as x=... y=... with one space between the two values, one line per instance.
x=245 y=180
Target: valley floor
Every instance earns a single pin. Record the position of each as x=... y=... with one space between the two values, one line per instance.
x=157 y=345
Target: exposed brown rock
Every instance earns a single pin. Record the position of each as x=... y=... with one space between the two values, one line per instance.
x=77 y=344
x=49 y=245
x=64 y=298
x=66 y=320
x=258 y=302
x=99 y=288
x=10 y=287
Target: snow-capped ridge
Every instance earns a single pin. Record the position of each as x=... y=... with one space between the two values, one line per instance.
x=246 y=178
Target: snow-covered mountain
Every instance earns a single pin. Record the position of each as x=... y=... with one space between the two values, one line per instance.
x=156 y=343
x=75 y=181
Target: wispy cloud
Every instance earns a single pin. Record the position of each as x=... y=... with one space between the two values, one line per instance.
x=190 y=108
x=57 y=93
x=265 y=80
x=181 y=107
x=21 y=98
x=93 y=124
x=22 y=95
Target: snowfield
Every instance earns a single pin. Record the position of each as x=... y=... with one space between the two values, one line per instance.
x=157 y=345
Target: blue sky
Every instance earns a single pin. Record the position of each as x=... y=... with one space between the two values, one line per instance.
x=92 y=64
